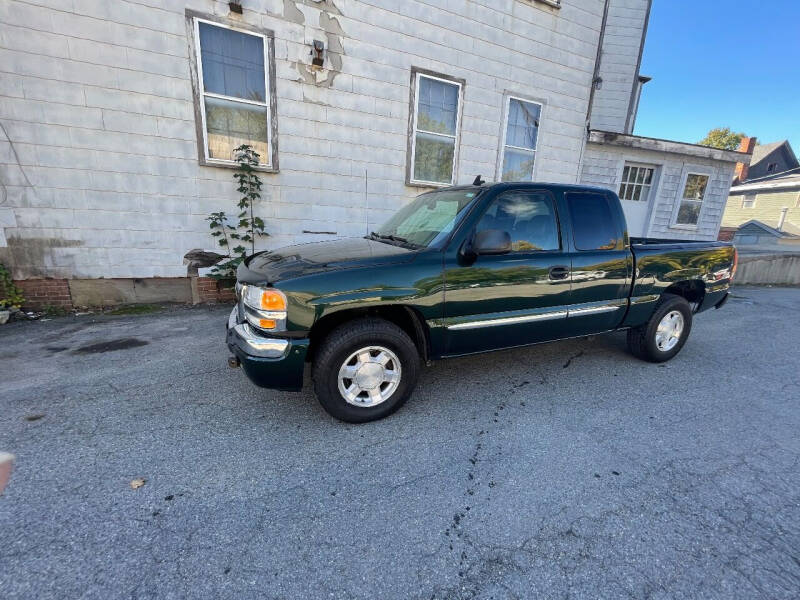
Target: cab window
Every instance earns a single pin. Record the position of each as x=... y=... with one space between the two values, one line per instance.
x=593 y=224
x=528 y=217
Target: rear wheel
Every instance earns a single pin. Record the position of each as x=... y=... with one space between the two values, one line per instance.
x=365 y=370
x=663 y=336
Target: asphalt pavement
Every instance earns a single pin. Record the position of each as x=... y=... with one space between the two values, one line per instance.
x=562 y=470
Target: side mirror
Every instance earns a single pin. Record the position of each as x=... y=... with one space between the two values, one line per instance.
x=491 y=241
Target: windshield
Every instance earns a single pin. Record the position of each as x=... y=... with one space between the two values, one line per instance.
x=427 y=220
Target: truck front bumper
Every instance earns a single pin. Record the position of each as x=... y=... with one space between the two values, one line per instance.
x=269 y=362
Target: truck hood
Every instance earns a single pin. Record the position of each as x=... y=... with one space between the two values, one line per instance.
x=316 y=257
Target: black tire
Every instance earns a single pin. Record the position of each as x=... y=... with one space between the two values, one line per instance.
x=642 y=340
x=344 y=341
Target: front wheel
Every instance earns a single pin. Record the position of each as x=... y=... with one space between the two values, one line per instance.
x=663 y=336
x=365 y=370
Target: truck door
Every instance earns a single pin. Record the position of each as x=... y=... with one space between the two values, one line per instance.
x=601 y=262
x=511 y=299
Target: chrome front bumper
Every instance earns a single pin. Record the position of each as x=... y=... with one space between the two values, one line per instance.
x=243 y=336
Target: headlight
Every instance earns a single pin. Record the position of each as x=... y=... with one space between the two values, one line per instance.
x=264 y=308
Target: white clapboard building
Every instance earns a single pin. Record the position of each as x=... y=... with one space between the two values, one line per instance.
x=118 y=119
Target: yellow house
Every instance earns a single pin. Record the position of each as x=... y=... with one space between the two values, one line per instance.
x=773 y=196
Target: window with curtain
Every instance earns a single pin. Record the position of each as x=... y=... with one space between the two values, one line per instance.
x=436 y=124
x=521 y=136
x=234 y=91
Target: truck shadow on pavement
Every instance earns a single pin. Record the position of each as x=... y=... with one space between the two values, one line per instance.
x=468 y=382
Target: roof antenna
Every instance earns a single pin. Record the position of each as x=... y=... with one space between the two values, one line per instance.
x=478 y=181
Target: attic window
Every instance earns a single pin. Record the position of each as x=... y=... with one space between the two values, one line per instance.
x=771 y=167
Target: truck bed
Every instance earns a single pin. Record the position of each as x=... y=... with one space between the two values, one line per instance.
x=644 y=241
x=702 y=270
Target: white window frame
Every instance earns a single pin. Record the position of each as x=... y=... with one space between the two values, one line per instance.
x=504 y=133
x=749 y=200
x=679 y=197
x=414 y=130
x=266 y=163
x=651 y=185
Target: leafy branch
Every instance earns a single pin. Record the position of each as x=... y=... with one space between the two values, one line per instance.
x=247 y=225
x=10 y=295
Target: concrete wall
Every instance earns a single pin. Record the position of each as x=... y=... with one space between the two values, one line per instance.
x=619 y=63
x=98 y=152
x=603 y=164
x=767 y=209
x=769 y=268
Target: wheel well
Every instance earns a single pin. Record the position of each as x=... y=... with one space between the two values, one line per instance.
x=405 y=317
x=693 y=291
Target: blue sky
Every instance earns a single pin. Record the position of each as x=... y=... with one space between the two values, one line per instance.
x=722 y=64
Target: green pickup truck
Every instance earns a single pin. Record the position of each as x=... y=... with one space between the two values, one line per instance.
x=458 y=271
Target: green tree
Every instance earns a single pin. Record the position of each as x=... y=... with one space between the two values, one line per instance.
x=722 y=138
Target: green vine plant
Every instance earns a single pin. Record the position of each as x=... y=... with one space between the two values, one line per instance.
x=10 y=295
x=239 y=240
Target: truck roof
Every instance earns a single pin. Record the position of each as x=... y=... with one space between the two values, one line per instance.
x=527 y=184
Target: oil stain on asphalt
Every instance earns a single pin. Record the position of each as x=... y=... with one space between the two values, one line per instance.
x=110 y=346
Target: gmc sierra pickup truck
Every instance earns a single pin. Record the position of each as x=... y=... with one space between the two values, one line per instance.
x=458 y=271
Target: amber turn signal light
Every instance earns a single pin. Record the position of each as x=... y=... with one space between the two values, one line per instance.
x=272 y=300
x=263 y=298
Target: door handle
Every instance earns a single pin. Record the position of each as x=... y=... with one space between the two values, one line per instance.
x=559 y=272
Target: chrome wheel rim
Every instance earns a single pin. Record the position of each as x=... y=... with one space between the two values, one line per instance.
x=669 y=331
x=369 y=376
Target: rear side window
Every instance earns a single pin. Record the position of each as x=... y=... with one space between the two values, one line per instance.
x=593 y=225
x=528 y=217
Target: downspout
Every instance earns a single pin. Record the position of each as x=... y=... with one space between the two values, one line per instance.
x=631 y=122
x=596 y=80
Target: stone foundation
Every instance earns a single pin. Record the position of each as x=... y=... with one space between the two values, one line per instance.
x=68 y=294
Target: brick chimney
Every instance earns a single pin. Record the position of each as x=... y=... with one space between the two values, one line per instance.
x=747 y=145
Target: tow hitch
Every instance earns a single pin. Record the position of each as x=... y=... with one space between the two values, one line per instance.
x=233 y=362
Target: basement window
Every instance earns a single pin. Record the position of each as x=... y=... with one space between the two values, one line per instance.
x=234 y=92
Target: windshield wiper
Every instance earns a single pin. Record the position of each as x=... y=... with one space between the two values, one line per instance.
x=392 y=238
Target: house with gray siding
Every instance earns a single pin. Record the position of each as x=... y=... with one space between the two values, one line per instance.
x=118 y=120
x=773 y=199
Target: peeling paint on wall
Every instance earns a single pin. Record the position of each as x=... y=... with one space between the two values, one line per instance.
x=333 y=33
x=292 y=13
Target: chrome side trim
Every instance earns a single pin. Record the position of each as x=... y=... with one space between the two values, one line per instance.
x=559 y=314
x=644 y=299
x=547 y=316
x=591 y=310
